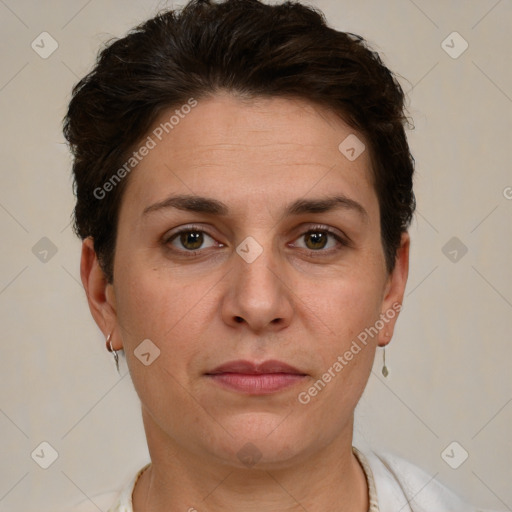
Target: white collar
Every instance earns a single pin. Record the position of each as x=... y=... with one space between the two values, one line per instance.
x=402 y=486
x=395 y=485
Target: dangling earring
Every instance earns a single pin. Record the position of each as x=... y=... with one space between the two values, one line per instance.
x=385 y=370
x=111 y=349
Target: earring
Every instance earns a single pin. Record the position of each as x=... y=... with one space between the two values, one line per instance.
x=111 y=349
x=385 y=370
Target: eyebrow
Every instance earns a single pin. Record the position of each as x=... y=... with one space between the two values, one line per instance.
x=201 y=204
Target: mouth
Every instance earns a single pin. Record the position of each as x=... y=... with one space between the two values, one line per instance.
x=256 y=378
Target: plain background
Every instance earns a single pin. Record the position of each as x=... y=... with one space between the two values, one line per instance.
x=450 y=360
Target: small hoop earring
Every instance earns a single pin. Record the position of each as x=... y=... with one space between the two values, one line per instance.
x=110 y=348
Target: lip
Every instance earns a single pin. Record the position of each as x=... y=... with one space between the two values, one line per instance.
x=250 y=368
x=256 y=378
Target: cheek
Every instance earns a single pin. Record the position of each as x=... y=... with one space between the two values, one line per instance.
x=154 y=309
x=163 y=311
x=350 y=308
x=148 y=303
x=345 y=304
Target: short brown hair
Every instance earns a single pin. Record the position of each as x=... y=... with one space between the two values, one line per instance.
x=248 y=48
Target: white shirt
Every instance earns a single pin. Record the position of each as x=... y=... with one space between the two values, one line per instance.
x=394 y=485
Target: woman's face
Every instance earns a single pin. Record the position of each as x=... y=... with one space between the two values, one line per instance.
x=248 y=282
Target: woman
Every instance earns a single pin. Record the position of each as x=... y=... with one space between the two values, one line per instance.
x=244 y=190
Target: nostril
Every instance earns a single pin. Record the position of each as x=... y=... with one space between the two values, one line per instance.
x=239 y=319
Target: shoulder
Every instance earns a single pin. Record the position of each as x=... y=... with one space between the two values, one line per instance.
x=120 y=501
x=401 y=485
x=104 y=501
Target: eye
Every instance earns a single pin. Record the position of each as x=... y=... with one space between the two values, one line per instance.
x=189 y=239
x=322 y=239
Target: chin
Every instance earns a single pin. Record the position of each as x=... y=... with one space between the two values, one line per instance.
x=261 y=441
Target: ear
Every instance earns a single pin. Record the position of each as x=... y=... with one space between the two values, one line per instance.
x=394 y=291
x=100 y=294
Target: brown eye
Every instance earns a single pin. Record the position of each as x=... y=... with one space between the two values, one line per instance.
x=190 y=240
x=321 y=240
x=316 y=240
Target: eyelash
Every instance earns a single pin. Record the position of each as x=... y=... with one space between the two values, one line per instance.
x=343 y=242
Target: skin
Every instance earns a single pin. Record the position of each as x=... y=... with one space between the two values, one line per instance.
x=301 y=301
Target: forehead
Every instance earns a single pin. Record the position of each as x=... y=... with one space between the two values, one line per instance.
x=259 y=151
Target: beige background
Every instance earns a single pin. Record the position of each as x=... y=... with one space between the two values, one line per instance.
x=450 y=360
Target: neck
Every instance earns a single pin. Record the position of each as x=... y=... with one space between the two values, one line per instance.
x=330 y=480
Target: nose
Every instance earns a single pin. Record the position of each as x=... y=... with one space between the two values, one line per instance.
x=258 y=294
